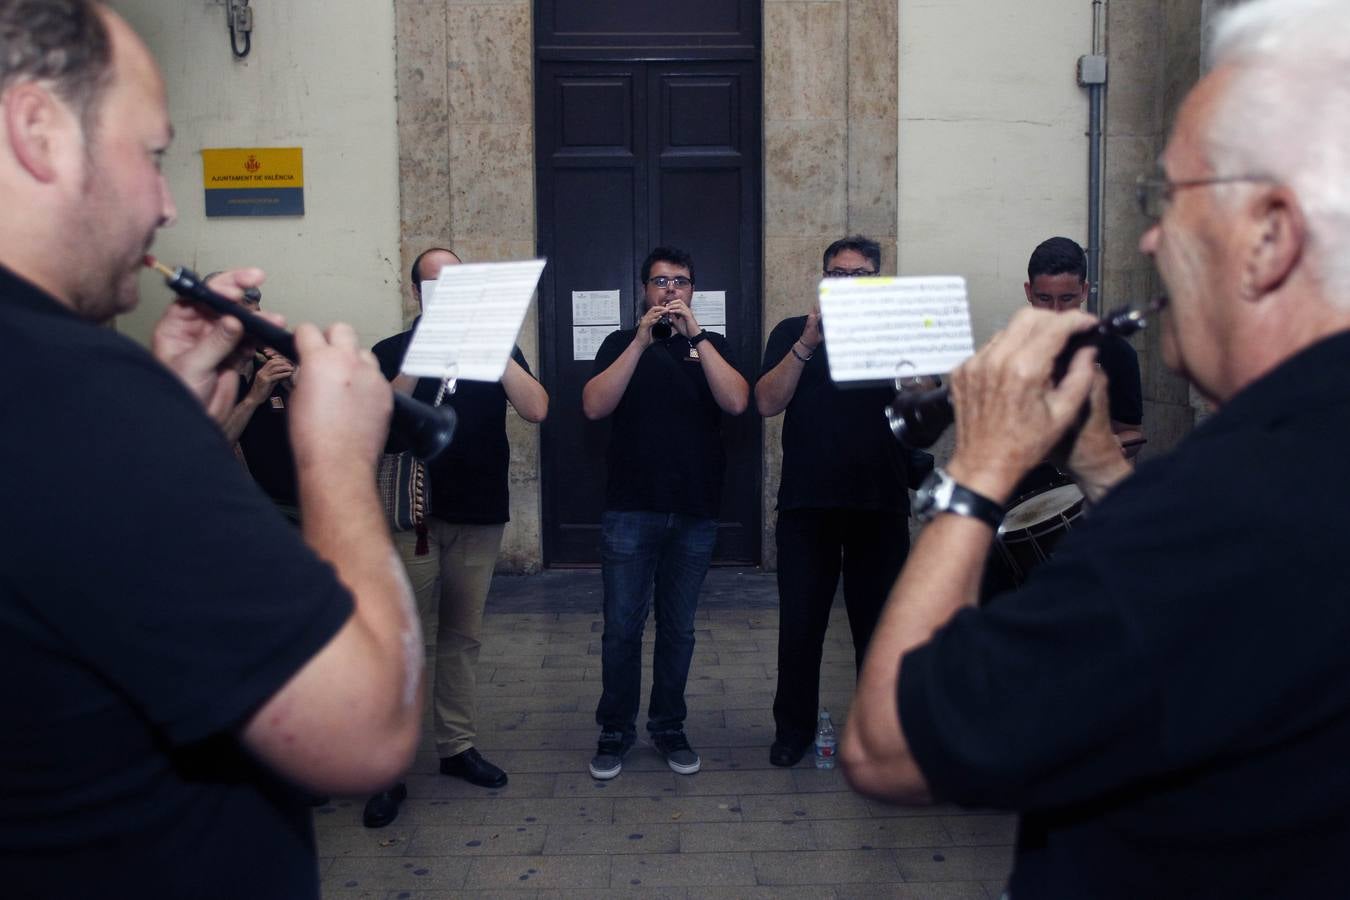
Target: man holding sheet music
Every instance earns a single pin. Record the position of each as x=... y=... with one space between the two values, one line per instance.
x=666 y=384
x=469 y=511
x=843 y=504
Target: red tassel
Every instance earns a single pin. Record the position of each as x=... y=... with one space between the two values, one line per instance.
x=422 y=546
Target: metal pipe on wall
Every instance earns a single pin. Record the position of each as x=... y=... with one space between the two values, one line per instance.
x=1093 y=77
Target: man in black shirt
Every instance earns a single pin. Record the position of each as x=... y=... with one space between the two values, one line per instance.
x=666 y=383
x=183 y=664
x=469 y=512
x=843 y=503
x=1167 y=701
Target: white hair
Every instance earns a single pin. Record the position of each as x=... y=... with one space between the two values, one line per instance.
x=1286 y=115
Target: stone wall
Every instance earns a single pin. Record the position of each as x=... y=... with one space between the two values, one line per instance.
x=830 y=149
x=1153 y=52
x=466 y=178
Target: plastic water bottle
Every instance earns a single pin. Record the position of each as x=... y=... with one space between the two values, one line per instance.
x=826 y=742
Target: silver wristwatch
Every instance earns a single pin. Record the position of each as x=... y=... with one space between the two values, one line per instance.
x=939 y=493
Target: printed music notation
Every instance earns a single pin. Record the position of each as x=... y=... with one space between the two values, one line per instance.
x=470 y=320
x=884 y=328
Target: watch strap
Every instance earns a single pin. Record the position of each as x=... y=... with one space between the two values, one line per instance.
x=965 y=502
x=698 y=338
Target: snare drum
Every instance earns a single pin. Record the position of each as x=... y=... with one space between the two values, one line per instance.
x=1034 y=525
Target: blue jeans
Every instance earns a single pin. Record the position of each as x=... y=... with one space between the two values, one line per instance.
x=637 y=550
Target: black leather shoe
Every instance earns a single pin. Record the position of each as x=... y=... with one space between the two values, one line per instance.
x=382 y=808
x=787 y=753
x=471 y=766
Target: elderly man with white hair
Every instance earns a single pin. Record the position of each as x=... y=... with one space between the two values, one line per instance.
x=1167 y=701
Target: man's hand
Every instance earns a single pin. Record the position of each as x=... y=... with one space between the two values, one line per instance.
x=341 y=404
x=682 y=318
x=643 y=338
x=811 y=333
x=199 y=347
x=277 y=368
x=1096 y=460
x=1008 y=413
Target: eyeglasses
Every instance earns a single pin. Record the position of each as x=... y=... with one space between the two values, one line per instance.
x=678 y=282
x=1154 y=192
x=848 y=273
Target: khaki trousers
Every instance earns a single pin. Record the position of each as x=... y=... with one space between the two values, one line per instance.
x=455 y=575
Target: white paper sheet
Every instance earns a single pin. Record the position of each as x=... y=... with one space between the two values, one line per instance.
x=469 y=328
x=586 y=339
x=710 y=308
x=880 y=329
x=595 y=308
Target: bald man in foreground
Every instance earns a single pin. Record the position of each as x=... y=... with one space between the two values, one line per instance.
x=1166 y=702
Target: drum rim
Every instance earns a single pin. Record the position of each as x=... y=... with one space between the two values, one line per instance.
x=1049 y=522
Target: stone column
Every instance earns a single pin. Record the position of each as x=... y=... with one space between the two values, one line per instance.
x=830 y=137
x=466 y=138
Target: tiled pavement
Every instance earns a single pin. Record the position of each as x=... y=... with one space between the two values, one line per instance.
x=740 y=828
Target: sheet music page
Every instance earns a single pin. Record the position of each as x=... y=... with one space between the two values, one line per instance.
x=880 y=329
x=470 y=324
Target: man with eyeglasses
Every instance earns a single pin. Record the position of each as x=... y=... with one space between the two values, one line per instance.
x=1167 y=701
x=665 y=384
x=843 y=502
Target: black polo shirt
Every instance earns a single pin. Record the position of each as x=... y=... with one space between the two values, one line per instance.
x=1167 y=700
x=665 y=446
x=469 y=483
x=151 y=599
x=838 y=450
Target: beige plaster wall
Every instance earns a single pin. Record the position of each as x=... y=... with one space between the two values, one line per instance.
x=466 y=178
x=993 y=145
x=320 y=76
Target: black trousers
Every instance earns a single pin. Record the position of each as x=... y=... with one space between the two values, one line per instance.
x=814 y=547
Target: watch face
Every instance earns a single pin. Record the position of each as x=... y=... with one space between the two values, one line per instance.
x=928 y=499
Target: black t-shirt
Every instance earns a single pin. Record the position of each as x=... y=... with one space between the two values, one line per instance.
x=838 y=450
x=1124 y=392
x=1167 y=700
x=665 y=446
x=151 y=598
x=469 y=479
x=266 y=443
